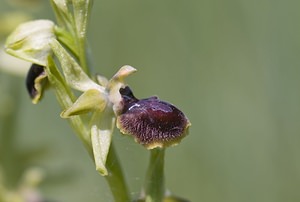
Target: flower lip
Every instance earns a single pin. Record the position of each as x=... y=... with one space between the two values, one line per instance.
x=152 y=122
x=34 y=78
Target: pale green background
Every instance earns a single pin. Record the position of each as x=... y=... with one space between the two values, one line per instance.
x=232 y=66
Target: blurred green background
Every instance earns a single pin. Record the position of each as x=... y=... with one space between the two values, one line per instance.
x=232 y=66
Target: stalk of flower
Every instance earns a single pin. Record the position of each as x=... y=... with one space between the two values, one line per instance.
x=40 y=42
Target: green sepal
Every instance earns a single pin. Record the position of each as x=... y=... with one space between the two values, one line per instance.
x=75 y=76
x=66 y=31
x=30 y=41
x=90 y=100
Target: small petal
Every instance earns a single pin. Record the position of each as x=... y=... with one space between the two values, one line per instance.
x=102 y=80
x=152 y=122
x=36 y=81
x=115 y=83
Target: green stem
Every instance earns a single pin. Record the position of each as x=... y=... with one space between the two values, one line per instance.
x=155 y=182
x=115 y=177
x=82 y=55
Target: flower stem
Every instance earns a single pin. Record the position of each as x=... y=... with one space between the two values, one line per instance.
x=155 y=182
x=115 y=177
x=82 y=55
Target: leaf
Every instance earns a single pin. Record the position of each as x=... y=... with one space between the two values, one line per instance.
x=63 y=15
x=81 y=10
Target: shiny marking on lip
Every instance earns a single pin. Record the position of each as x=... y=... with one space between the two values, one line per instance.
x=135 y=105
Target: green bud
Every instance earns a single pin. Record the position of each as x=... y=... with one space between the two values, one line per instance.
x=30 y=41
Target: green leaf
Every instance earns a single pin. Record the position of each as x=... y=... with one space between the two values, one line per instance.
x=63 y=15
x=81 y=10
x=91 y=100
x=73 y=73
x=30 y=41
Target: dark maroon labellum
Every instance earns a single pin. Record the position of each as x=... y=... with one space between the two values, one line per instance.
x=36 y=82
x=34 y=72
x=153 y=123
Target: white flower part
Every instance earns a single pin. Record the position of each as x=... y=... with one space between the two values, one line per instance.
x=30 y=41
x=115 y=83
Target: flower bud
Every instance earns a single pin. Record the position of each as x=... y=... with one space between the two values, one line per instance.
x=152 y=122
x=30 y=41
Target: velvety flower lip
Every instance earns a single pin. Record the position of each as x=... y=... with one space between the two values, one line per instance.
x=35 y=81
x=152 y=122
